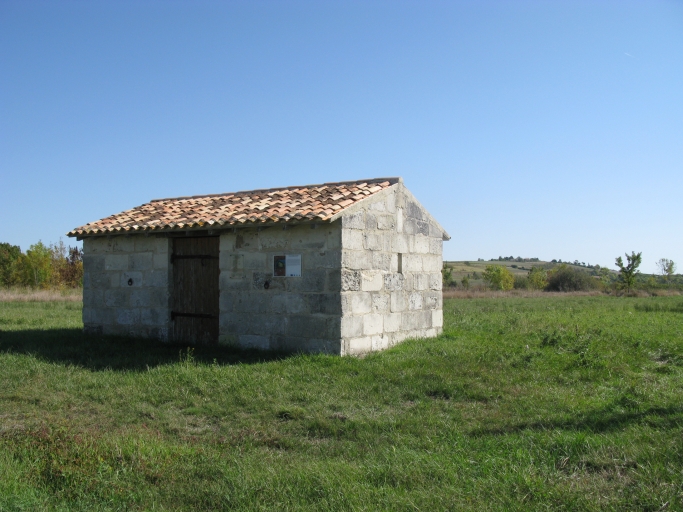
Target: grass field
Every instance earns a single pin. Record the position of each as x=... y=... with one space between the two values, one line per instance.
x=539 y=403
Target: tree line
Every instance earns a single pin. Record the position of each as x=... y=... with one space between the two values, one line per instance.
x=41 y=266
x=564 y=277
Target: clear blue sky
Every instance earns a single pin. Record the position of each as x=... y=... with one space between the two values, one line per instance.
x=529 y=128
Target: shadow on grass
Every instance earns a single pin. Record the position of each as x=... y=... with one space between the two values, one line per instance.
x=97 y=352
x=607 y=419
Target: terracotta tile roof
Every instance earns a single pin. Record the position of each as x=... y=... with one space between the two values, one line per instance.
x=302 y=203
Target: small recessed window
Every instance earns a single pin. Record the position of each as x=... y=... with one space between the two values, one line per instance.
x=400 y=263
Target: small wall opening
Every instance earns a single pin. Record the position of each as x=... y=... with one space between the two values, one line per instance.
x=400 y=263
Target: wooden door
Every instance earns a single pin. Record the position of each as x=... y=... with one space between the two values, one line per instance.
x=195 y=290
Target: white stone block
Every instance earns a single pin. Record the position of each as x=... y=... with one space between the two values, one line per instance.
x=371 y=281
x=231 y=261
x=93 y=245
x=421 y=245
x=127 y=316
x=333 y=240
x=399 y=243
x=380 y=302
x=393 y=282
x=267 y=240
x=161 y=261
x=432 y=301
x=437 y=318
x=373 y=241
x=391 y=202
x=386 y=222
x=139 y=298
x=254 y=342
x=361 y=303
x=352 y=239
x=432 y=263
x=435 y=281
x=381 y=261
x=356 y=260
x=398 y=302
x=380 y=342
x=412 y=262
x=399 y=220
x=415 y=301
x=378 y=206
x=116 y=262
x=123 y=244
x=360 y=345
x=354 y=220
x=393 y=267
x=373 y=324
x=141 y=261
x=227 y=242
x=162 y=245
x=254 y=260
x=392 y=322
x=351 y=326
x=436 y=246
x=421 y=281
x=144 y=243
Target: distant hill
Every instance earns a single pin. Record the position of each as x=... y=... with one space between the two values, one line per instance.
x=461 y=268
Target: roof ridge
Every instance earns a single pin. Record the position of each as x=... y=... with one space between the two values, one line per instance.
x=391 y=180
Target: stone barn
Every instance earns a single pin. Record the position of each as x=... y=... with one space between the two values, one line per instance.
x=341 y=268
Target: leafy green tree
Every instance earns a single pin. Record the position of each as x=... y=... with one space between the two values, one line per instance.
x=605 y=276
x=9 y=254
x=628 y=272
x=537 y=278
x=34 y=268
x=499 y=277
x=667 y=268
x=465 y=282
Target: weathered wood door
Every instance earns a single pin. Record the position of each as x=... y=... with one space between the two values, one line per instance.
x=195 y=289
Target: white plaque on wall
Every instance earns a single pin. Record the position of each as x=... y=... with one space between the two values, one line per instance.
x=289 y=265
x=293 y=265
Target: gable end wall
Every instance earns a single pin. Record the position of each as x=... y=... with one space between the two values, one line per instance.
x=391 y=273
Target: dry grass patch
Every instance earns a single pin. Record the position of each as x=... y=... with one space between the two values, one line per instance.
x=16 y=294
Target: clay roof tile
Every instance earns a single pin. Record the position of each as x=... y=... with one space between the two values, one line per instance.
x=256 y=206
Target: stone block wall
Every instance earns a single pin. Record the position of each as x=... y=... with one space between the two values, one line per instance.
x=126 y=284
x=259 y=310
x=390 y=273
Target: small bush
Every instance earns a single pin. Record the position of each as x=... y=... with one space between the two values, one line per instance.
x=521 y=283
x=499 y=277
x=567 y=279
x=537 y=278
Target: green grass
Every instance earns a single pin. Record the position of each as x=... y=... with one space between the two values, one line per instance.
x=522 y=404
